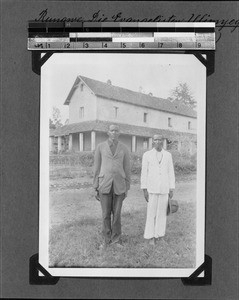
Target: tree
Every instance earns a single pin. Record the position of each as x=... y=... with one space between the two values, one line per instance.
x=183 y=95
x=51 y=125
x=55 y=120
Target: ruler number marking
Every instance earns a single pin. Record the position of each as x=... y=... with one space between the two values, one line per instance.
x=85 y=45
x=180 y=45
x=39 y=46
x=67 y=45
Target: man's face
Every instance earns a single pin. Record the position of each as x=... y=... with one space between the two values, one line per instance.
x=113 y=132
x=158 y=142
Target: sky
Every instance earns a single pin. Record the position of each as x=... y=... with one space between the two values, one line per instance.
x=155 y=73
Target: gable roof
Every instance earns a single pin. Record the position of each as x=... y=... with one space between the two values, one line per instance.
x=109 y=91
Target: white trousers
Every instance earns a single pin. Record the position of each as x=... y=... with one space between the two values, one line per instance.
x=156 y=216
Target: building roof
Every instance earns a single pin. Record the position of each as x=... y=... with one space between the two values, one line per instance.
x=102 y=126
x=109 y=91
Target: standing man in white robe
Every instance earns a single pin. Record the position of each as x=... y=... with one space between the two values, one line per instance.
x=158 y=184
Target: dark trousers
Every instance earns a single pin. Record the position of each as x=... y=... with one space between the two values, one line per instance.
x=111 y=204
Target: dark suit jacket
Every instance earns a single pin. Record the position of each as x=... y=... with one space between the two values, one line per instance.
x=111 y=168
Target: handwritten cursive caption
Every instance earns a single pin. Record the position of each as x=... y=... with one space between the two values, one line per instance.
x=98 y=16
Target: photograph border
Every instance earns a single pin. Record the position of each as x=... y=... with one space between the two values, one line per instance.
x=205 y=265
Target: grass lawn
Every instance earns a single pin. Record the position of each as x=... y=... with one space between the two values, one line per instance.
x=75 y=230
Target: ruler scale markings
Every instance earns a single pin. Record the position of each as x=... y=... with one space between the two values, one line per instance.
x=78 y=45
x=91 y=45
x=131 y=45
x=120 y=35
x=167 y=45
x=111 y=45
x=208 y=44
x=115 y=45
x=148 y=45
x=136 y=25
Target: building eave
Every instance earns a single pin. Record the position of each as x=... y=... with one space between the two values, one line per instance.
x=102 y=126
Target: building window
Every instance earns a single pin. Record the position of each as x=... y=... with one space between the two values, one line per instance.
x=116 y=111
x=189 y=125
x=81 y=112
x=145 y=117
x=169 y=122
x=82 y=87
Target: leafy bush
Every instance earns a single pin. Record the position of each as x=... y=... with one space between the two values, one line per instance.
x=136 y=161
x=183 y=163
x=85 y=159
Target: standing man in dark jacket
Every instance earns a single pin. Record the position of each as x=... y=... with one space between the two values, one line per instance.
x=112 y=182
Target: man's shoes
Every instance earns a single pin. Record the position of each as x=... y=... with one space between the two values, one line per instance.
x=117 y=242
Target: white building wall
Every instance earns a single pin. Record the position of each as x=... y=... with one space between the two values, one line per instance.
x=84 y=99
x=134 y=115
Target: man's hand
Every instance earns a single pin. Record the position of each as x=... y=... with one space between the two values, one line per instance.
x=146 y=195
x=170 y=194
x=97 y=196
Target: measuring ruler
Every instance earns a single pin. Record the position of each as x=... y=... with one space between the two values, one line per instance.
x=119 y=36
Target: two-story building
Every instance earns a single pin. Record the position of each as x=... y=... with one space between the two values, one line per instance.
x=94 y=105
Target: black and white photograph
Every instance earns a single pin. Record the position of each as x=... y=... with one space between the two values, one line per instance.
x=122 y=164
